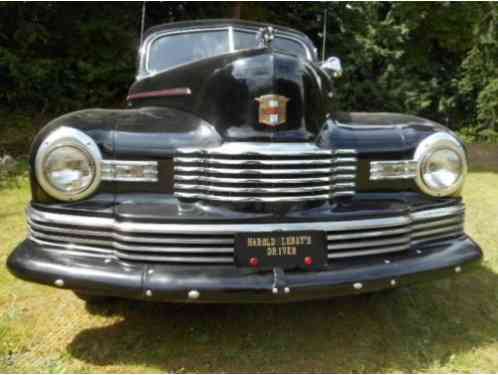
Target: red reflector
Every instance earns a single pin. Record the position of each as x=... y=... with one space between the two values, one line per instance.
x=308 y=261
x=254 y=262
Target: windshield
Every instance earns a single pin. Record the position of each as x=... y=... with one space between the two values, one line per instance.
x=181 y=48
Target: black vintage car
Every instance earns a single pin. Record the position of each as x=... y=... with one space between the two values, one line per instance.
x=233 y=177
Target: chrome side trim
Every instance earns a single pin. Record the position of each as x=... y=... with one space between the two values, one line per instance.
x=392 y=169
x=130 y=170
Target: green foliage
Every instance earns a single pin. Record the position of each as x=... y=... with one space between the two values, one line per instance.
x=437 y=60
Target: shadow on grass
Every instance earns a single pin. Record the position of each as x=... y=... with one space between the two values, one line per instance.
x=408 y=330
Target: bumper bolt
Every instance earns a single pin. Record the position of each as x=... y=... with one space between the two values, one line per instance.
x=193 y=294
x=357 y=286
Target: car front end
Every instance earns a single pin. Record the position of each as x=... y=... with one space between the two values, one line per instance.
x=233 y=178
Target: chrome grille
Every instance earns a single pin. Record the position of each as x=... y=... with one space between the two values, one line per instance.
x=264 y=172
x=213 y=243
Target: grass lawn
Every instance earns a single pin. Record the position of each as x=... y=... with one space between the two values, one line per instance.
x=447 y=326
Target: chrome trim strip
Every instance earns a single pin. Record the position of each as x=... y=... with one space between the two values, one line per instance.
x=130 y=238
x=89 y=250
x=242 y=189
x=245 y=180
x=213 y=229
x=116 y=170
x=177 y=91
x=259 y=149
x=350 y=254
x=375 y=233
x=138 y=248
x=338 y=194
x=454 y=228
x=369 y=243
x=255 y=199
x=269 y=171
x=402 y=169
x=69 y=239
x=344 y=160
x=431 y=224
x=446 y=236
x=192 y=160
x=438 y=212
x=181 y=250
x=174 y=259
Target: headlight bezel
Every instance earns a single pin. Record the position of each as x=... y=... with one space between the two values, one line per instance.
x=426 y=148
x=68 y=137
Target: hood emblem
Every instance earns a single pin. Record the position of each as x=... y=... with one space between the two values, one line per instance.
x=272 y=109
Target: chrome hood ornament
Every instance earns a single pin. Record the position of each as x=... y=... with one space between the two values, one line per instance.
x=265 y=36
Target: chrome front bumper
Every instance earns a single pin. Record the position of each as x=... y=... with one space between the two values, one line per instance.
x=224 y=283
x=207 y=243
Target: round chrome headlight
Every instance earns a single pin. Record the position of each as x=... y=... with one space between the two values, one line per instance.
x=441 y=165
x=68 y=164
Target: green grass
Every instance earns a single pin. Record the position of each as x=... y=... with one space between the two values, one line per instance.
x=447 y=326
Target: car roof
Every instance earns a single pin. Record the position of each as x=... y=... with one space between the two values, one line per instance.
x=225 y=22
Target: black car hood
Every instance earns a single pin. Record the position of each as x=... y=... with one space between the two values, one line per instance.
x=224 y=92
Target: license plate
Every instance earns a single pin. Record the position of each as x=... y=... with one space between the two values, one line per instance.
x=302 y=249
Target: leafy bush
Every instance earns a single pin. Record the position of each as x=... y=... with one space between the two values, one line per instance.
x=437 y=60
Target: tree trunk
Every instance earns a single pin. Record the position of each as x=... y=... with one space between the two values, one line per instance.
x=236 y=9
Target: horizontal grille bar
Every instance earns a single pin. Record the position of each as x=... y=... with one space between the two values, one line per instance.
x=214 y=243
x=265 y=172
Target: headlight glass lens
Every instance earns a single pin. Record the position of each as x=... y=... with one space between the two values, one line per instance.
x=442 y=169
x=69 y=169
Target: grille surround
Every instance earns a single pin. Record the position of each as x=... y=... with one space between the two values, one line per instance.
x=264 y=172
x=213 y=243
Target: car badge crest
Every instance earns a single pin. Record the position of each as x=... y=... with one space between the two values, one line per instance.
x=272 y=109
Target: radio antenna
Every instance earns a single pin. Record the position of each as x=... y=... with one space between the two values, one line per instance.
x=324 y=34
x=142 y=23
